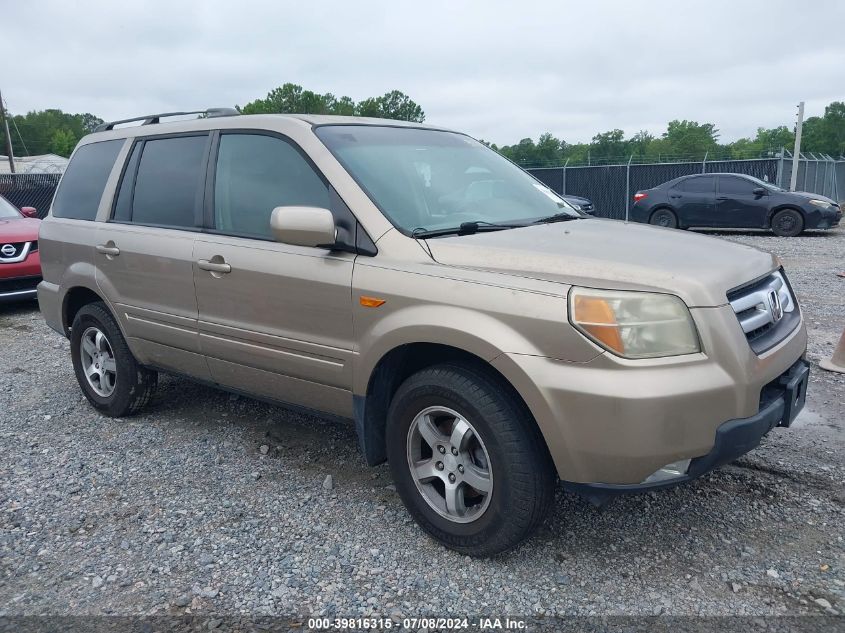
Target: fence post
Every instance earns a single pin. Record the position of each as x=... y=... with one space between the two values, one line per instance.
x=563 y=186
x=779 y=177
x=815 y=175
x=704 y=163
x=628 y=187
x=796 y=156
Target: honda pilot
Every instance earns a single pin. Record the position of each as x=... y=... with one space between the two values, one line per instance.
x=486 y=338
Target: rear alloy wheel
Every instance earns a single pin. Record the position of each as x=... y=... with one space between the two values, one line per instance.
x=468 y=459
x=110 y=377
x=787 y=223
x=664 y=217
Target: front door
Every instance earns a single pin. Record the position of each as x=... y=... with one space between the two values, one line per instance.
x=144 y=254
x=275 y=320
x=738 y=206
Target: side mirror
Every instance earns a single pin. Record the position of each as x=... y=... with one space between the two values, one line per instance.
x=304 y=226
x=29 y=212
x=759 y=191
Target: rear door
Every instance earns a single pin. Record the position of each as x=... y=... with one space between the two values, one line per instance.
x=737 y=205
x=144 y=253
x=275 y=320
x=696 y=202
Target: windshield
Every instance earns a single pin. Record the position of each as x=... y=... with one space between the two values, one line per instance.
x=425 y=180
x=7 y=209
x=764 y=184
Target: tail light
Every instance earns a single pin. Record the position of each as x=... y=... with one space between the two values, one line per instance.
x=640 y=195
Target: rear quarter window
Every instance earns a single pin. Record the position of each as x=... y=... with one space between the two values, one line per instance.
x=78 y=197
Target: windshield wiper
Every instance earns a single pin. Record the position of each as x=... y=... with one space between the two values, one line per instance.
x=557 y=217
x=465 y=228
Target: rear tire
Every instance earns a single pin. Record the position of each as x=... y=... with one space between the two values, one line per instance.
x=787 y=223
x=664 y=217
x=504 y=456
x=107 y=372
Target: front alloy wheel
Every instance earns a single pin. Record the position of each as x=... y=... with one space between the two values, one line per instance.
x=450 y=465
x=468 y=459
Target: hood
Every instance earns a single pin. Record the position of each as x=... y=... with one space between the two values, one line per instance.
x=613 y=255
x=18 y=230
x=811 y=196
x=577 y=199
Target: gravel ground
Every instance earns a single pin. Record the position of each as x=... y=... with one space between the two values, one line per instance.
x=215 y=504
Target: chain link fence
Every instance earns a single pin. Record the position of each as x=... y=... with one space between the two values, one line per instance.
x=30 y=190
x=611 y=187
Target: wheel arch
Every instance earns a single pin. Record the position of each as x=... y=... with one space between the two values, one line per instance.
x=74 y=300
x=667 y=207
x=782 y=207
x=400 y=362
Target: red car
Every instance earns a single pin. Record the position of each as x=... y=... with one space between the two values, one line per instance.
x=20 y=264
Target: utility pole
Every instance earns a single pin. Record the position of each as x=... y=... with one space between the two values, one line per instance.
x=8 y=136
x=793 y=181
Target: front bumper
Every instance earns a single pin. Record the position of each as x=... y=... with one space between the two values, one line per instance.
x=613 y=421
x=18 y=281
x=824 y=220
x=780 y=402
x=18 y=289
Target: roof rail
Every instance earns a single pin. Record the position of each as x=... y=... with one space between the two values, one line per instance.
x=152 y=119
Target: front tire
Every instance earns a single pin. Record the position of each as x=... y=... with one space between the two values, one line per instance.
x=468 y=460
x=665 y=218
x=110 y=377
x=787 y=223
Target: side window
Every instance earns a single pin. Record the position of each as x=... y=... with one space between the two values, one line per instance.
x=736 y=186
x=168 y=182
x=123 y=204
x=85 y=179
x=255 y=174
x=700 y=184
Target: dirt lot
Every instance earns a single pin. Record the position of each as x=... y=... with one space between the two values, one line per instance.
x=211 y=503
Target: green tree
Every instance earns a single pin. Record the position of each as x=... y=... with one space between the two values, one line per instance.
x=826 y=134
x=690 y=138
x=392 y=105
x=48 y=131
x=609 y=147
x=292 y=98
x=641 y=143
x=62 y=142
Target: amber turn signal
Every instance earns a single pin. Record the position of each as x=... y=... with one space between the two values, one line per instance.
x=596 y=317
x=371 y=302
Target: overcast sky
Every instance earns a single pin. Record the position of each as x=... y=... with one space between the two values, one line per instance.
x=500 y=71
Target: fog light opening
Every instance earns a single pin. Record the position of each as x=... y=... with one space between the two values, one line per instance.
x=668 y=472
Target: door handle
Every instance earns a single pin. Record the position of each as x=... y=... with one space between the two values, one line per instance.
x=108 y=249
x=722 y=198
x=214 y=267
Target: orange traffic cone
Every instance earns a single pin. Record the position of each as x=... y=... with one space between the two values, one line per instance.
x=837 y=361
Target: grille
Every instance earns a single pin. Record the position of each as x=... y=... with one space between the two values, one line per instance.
x=14 y=252
x=766 y=310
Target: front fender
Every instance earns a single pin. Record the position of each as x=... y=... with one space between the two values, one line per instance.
x=478 y=334
x=484 y=319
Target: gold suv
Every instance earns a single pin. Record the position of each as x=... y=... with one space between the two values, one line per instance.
x=485 y=337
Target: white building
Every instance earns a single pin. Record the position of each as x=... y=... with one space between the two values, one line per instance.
x=44 y=164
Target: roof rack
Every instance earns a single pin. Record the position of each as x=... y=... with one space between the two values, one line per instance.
x=152 y=119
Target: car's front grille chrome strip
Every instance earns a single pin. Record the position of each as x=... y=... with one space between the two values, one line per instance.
x=20 y=253
x=763 y=305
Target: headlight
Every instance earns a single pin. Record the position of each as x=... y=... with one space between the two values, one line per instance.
x=634 y=324
x=820 y=203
